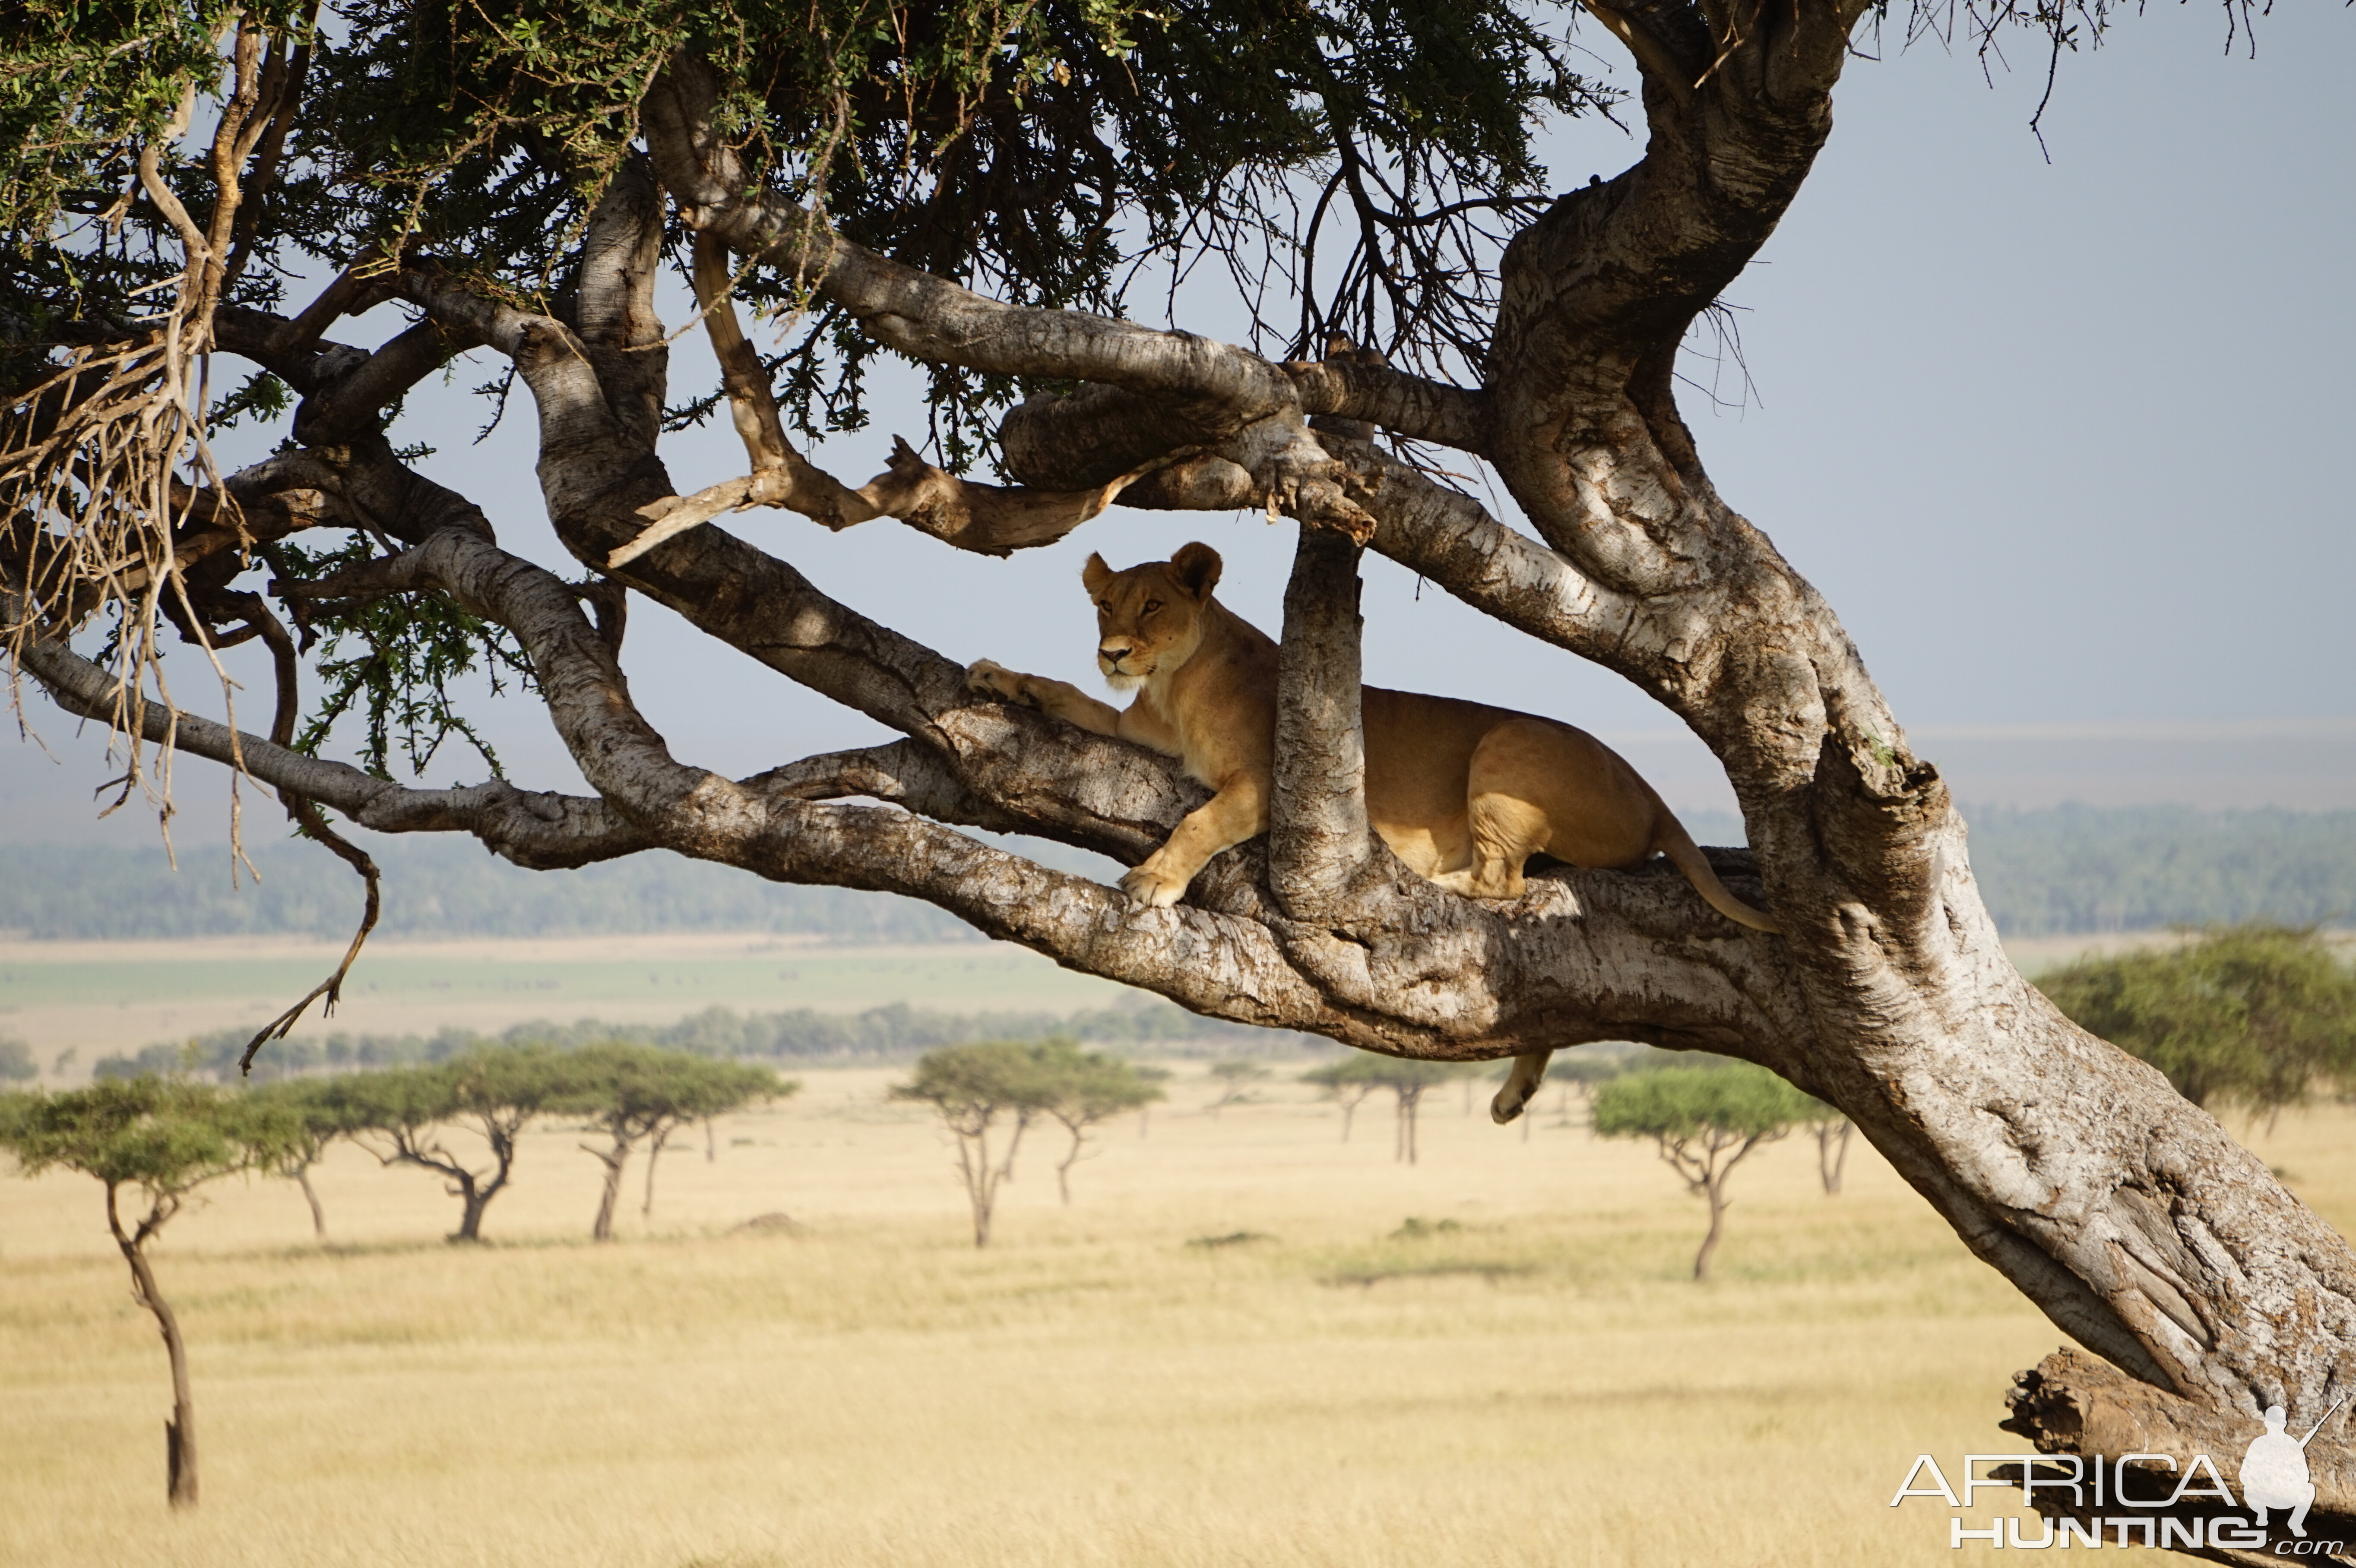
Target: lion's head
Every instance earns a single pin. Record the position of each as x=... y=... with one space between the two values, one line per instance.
x=1149 y=618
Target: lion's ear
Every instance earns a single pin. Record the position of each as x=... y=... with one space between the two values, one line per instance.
x=1094 y=574
x=1197 y=566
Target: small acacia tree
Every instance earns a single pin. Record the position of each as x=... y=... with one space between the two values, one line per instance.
x=1409 y=1080
x=1345 y=1083
x=2252 y=1016
x=315 y=1117
x=162 y=1140
x=1831 y=1131
x=974 y=1087
x=637 y=1093
x=16 y=1063
x=1235 y=1077
x=1705 y=1121
x=403 y=1115
x=1085 y=1087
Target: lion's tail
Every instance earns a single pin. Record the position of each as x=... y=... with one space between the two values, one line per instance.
x=1672 y=841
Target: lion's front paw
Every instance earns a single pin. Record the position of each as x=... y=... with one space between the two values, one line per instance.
x=1153 y=887
x=991 y=678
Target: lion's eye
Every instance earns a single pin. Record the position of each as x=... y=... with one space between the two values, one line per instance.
x=1152 y=605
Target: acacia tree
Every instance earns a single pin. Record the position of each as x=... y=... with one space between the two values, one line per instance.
x=1832 y=1132
x=403 y=1116
x=1235 y=1077
x=972 y=1087
x=967 y=187
x=637 y=1093
x=1704 y=1121
x=1346 y=1084
x=162 y=1140
x=1408 y=1079
x=316 y=1116
x=1082 y=1088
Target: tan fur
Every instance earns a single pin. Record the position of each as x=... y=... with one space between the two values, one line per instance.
x=1463 y=793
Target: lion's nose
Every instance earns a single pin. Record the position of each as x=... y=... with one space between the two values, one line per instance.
x=1113 y=653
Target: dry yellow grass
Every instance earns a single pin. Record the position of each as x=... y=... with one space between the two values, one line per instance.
x=1538 y=1385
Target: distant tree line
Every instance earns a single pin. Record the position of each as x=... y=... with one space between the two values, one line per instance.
x=889 y=1033
x=2063 y=870
x=433 y=888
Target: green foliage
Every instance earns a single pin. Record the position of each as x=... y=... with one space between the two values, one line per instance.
x=620 y=1084
x=973 y=1084
x=1737 y=1100
x=16 y=1063
x=1083 y=1087
x=153 y=1132
x=395 y=656
x=2254 y=1015
x=507 y=1085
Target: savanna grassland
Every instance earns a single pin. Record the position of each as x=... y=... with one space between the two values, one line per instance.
x=1524 y=1376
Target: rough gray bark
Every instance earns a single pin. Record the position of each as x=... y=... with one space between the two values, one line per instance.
x=2127 y=1215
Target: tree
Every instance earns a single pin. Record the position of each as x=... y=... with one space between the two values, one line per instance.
x=2252 y=1016
x=975 y=195
x=1084 y=1087
x=1407 y=1079
x=403 y=1115
x=16 y=1063
x=163 y=1140
x=1345 y=1083
x=1236 y=1075
x=637 y=1093
x=1831 y=1131
x=1704 y=1121
x=315 y=1116
x=972 y=1087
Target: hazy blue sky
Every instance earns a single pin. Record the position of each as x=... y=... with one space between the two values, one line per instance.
x=2059 y=442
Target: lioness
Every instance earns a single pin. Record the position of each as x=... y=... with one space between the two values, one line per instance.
x=1462 y=793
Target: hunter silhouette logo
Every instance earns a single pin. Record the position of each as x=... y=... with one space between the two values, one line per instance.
x=2273 y=1469
x=2274 y=1476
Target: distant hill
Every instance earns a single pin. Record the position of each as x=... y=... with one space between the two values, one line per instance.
x=2070 y=869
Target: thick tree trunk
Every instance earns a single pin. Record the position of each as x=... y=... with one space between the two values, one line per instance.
x=472 y=1202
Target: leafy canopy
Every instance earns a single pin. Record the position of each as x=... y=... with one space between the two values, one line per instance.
x=152 y=1132
x=2248 y=1015
x=1673 y=1103
x=1052 y=152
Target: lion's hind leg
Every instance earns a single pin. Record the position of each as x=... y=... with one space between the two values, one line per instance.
x=1504 y=820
